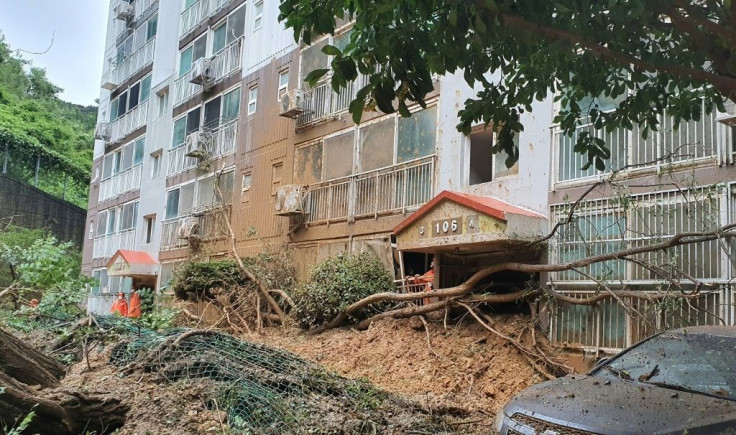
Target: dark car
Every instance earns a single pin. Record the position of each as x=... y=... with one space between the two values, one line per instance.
x=676 y=382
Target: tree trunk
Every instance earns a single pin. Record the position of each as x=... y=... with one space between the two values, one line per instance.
x=23 y=370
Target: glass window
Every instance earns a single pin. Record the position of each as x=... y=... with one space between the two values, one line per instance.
x=308 y=168
x=417 y=135
x=219 y=36
x=199 y=48
x=377 y=145
x=313 y=58
x=258 y=19
x=101 y=224
x=156 y=166
x=140 y=37
x=193 y=120
x=150 y=222
x=338 y=155
x=163 y=101
x=114 y=110
x=212 y=113
x=116 y=163
x=283 y=83
x=499 y=163
x=122 y=104
x=111 y=221
x=225 y=182
x=140 y=147
x=186 y=198
x=277 y=170
x=134 y=95
x=172 y=204
x=236 y=25
x=180 y=132
x=152 y=28
x=245 y=187
x=127 y=157
x=342 y=40
x=252 y=99
x=107 y=166
x=189 y=3
x=129 y=216
x=231 y=105
x=145 y=89
x=185 y=61
x=206 y=191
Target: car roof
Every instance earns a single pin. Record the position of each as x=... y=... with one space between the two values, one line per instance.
x=721 y=331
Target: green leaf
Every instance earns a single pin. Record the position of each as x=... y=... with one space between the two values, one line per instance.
x=313 y=77
x=331 y=50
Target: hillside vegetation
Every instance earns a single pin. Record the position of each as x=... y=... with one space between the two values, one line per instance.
x=35 y=121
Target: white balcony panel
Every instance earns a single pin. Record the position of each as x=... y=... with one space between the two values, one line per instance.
x=134 y=62
x=222 y=143
x=322 y=102
x=223 y=64
x=383 y=191
x=184 y=90
x=105 y=246
x=129 y=122
x=121 y=183
x=211 y=226
x=197 y=13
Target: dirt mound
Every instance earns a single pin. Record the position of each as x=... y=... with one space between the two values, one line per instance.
x=473 y=373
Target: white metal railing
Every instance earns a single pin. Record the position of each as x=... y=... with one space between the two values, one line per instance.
x=129 y=122
x=134 y=62
x=141 y=6
x=322 y=102
x=691 y=141
x=211 y=226
x=222 y=65
x=198 y=12
x=100 y=303
x=105 y=246
x=120 y=183
x=383 y=191
x=219 y=142
x=608 y=326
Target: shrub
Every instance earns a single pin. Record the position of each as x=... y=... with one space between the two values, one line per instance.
x=336 y=283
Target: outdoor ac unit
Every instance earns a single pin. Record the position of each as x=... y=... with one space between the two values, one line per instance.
x=102 y=131
x=729 y=116
x=123 y=11
x=108 y=83
x=199 y=144
x=188 y=228
x=290 y=200
x=292 y=104
x=200 y=73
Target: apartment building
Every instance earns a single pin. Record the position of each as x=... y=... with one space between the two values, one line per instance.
x=205 y=120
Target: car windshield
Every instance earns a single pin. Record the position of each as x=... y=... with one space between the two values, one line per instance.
x=689 y=362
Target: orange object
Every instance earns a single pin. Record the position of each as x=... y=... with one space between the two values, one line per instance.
x=33 y=303
x=428 y=279
x=120 y=306
x=135 y=305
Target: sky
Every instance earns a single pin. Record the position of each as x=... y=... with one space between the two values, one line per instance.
x=74 y=61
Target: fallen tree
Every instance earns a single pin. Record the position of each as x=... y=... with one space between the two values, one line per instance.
x=30 y=383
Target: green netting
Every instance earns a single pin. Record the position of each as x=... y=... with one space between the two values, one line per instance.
x=266 y=390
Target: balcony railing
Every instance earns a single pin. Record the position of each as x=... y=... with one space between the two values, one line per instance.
x=197 y=13
x=322 y=102
x=384 y=191
x=223 y=64
x=129 y=122
x=692 y=141
x=105 y=246
x=133 y=63
x=211 y=226
x=121 y=183
x=218 y=143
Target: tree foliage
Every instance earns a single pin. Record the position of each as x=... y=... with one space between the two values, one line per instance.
x=645 y=55
x=35 y=122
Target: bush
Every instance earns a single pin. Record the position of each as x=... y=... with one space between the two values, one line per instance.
x=336 y=283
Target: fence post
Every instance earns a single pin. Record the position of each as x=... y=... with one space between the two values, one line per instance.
x=5 y=159
x=66 y=178
x=38 y=166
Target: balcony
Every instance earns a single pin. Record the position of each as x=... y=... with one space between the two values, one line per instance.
x=221 y=143
x=132 y=64
x=223 y=64
x=211 y=226
x=121 y=183
x=197 y=13
x=105 y=246
x=322 y=102
x=384 y=191
x=692 y=142
x=129 y=122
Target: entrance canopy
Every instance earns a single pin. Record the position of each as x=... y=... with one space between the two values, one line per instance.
x=464 y=223
x=131 y=263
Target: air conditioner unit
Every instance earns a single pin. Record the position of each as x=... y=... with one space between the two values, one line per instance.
x=729 y=116
x=123 y=11
x=188 y=228
x=200 y=73
x=199 y=144
x=292 y=104
x=102 y=131
x=290 y=200
x=108 y=82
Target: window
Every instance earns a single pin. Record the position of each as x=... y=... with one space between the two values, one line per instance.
x=91 y=234
x=308 y=165
x=155 y=165
x=191 y=54
x=136 y=95
x=212 y=113
x=128 y=216
x=163 y=102
x=245 y=187
x=185 y=125
x=252 y=99
x=417 y=135
x=101 y=281
x=338 y=155
x=111 y=214
x=151 y=28
x=231 y=105
x=258 y=16
x=480 y=169
x=138 y=150
x=179 y=201
x=283 y=83
x=377 y=144
x=150 y=223
x=313 y=58
x=230 y=31
x=276 y=173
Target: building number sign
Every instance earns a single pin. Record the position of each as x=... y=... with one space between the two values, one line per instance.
x=447 y=227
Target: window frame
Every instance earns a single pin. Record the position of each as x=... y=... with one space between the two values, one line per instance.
x=252 y=100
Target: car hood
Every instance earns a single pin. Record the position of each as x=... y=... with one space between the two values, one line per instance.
x=614 y=406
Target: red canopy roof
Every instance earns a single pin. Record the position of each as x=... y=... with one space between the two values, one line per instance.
x=133 y=257
x=484 y=204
